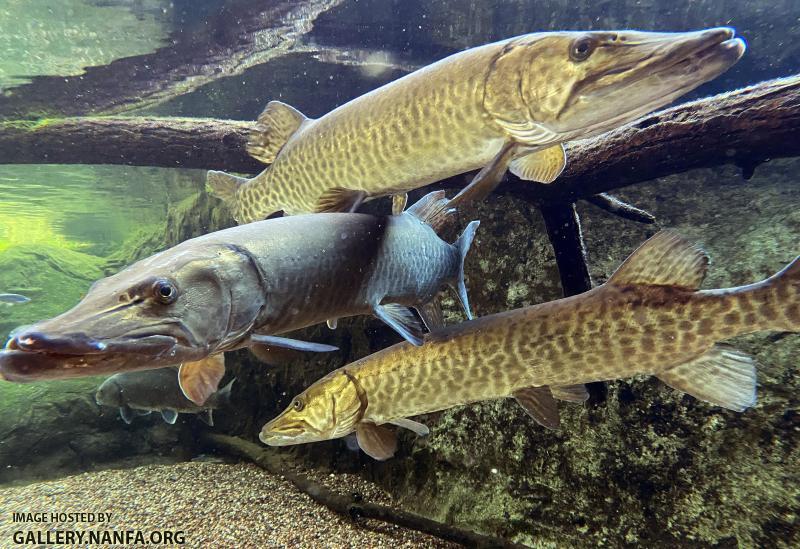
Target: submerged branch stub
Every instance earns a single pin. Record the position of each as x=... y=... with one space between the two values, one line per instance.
x=751 y=124
x=345 y=505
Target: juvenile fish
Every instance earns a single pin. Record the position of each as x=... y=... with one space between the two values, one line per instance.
x=146 y=391
x=512 y=104
x=649 y=318
x=13 y=298
x=240 y=287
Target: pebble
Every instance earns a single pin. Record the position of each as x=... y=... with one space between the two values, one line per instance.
x=214 y=504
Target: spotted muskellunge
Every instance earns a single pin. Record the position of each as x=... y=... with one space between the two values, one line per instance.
x=649 y=318
x=511 y=104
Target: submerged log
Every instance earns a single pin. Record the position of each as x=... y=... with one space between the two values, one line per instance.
x=347 y=505
x=744 y=127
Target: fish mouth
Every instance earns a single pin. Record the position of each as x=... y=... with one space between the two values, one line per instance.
x=288 y=434
x=33 y=356
x=668 y=71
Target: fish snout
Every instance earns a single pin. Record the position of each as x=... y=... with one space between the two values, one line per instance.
x=68 y=344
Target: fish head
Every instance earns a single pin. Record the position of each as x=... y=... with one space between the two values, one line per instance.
x=110 y=393
x=330 y=408
x=177 y=306
x=554 y=87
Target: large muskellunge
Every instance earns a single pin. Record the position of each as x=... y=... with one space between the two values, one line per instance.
x=238 y=287
x=512 y=104
x=649 y=318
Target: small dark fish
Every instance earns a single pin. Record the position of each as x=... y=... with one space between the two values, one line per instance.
x=159 y=390
x=13 y=298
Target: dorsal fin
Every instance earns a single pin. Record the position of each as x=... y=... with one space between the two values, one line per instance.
x=433 y=209
x=273 y=129
x=666 y=259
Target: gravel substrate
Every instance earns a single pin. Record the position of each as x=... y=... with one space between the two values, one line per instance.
x=214 y=504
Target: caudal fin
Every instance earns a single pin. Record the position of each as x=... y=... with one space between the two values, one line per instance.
x=463 y=244
x=224 y=186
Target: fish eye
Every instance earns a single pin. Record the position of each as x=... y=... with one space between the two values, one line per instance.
x=298 y=405
x=582 y=48
x=165 y=291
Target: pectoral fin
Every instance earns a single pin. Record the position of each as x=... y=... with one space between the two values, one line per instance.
x=402 y=321
x=570 y=393
x=332 y=323
x=170 y=416
x=339 y=199
x=487 y=179
x=199 y=380
x=274 y=126
x=722 y=376
x=126 y=414
x=377 y=441
x=399 y=202
x=540 y=405
x=419 y=428
x=542 y=166
x=293 y=344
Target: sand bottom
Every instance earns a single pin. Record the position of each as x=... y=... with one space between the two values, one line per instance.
x=212 y=504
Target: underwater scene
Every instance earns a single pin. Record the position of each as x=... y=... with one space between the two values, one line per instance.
x=384 y=273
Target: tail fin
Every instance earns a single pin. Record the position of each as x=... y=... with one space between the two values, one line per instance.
x=785 y=285
x=224 y=186
x=463 y=243
x=432 y=209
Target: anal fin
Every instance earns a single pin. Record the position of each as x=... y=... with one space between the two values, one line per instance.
x=540 y=405
x=377 y=441
x=542 y=166
x=401 y=320
x=431 y=314
x=723 y=376
x=339 y=199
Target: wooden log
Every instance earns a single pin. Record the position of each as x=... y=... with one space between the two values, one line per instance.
x=744 y=127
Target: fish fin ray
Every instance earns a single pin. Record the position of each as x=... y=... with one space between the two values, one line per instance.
x=459 y=286
x=570 y=393
x=224 y=185
x=432 y=209
x=431 y=314
x=291 y=344
x=399 y=202
x=207 y=417
x=666 y=259
x=377 y=441
x=126 y=414
x=169 y=415
x=539 y=404
x=339 y=199
x=541 y=166
x=274 y=127
x=486 y=180
x=402 y=320
x=419 y=428
x=723 y=376
x=199 y=380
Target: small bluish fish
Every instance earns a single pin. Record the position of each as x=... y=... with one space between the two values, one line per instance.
x=13 y=299
x=649 y=318
x=146 y=391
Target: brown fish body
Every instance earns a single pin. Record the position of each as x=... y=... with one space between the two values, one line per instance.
x=524 y=97
x=649 y=318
